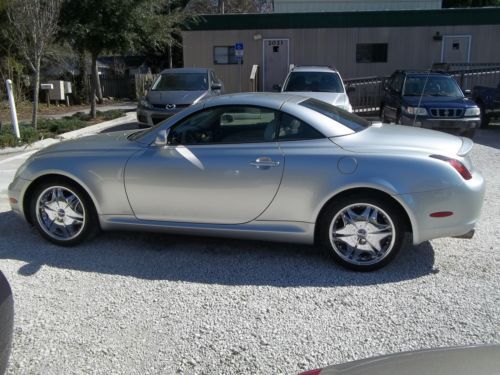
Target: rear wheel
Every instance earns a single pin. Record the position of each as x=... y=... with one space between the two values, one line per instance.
x=362 y=233
x=63 y=213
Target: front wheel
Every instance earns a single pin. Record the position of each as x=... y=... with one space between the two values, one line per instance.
x=63 y=213
x=362 y=233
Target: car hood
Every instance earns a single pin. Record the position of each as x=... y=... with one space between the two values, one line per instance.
x=335 y=98
x=396 y=138
x=477 y=360
x=175 y=97
x=113 y=141
x=438 y=101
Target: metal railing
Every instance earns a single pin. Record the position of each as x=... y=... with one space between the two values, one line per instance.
x=368 y=91
x=366 y=94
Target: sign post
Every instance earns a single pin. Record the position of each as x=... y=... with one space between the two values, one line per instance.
x=12 y=105
x=238 y=52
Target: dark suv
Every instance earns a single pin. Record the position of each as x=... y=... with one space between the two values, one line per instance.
x=428 y=100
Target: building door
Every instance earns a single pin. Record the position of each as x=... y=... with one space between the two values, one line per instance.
x=456 y=49
x=276 y=61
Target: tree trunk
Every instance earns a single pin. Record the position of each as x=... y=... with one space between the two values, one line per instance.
x=95 y=73
x=93 y=88
x=81 y=82
x=36 y=93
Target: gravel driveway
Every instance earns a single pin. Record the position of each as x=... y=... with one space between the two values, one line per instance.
x=129 y=303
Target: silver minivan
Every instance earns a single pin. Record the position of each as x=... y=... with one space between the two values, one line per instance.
x=176 y=89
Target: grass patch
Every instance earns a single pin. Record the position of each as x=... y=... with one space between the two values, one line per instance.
x=50 y=128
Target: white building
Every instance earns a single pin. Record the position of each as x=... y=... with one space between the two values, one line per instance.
x=296 y=6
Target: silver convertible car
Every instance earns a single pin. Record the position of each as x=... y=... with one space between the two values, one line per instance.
x=260 y=166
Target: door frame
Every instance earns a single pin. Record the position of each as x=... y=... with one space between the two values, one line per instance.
x=456 y=36
x=264 y=57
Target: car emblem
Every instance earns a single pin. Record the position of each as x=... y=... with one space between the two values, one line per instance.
x=170 y=106
x=446 y=113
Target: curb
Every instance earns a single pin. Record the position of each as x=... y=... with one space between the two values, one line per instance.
x=89 y=130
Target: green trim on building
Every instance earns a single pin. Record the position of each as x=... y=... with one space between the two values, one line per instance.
x=438 y=17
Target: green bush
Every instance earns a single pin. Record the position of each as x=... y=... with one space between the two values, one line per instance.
x=8 y=139
x=51 y=127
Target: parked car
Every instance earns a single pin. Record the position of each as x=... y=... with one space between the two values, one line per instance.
x=176 y=89
x=466 y=360
x=261 y=166
x=429 y=100
x=6 y=322
x=320 y=82
x=488 y=100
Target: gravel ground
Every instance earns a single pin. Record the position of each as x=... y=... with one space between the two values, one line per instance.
x=131 y=303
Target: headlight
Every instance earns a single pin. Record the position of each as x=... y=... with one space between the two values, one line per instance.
x=472 y=111
x=419 y=111
x=144 y=103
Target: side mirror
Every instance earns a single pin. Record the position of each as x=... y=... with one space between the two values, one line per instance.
x=277 y=87
x=468 y=93
x=216 y=86
x=350 y=89
x=162 y=138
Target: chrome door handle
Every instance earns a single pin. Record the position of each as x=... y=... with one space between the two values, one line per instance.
x=264 y=161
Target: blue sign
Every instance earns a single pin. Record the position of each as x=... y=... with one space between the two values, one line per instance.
x=238 y=46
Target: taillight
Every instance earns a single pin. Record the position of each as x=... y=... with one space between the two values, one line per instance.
x=457 y=165
x=311 y=372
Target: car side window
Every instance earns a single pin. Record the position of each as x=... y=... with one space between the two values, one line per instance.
x=225 y=125
x=293 y=129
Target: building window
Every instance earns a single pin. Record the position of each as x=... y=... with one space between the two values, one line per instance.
x=225 y=55
x=371 y=53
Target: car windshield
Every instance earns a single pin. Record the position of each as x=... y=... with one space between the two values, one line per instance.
x=350 y=120
x=181 y=82
x=314 y=81
x=431 y=85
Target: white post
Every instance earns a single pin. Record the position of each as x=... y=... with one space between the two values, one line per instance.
x=12 y=104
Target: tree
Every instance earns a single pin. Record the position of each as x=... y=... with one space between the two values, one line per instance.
x=117 y=26
x=34 y=25
x=159 y=24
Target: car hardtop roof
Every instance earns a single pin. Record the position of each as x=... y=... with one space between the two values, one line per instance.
x=185 y=70
x=265 y=99
x=424 y=72
x=314 y=68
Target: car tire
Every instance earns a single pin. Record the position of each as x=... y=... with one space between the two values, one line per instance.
x=63 y=213
x=485 y=120
x=362 y=233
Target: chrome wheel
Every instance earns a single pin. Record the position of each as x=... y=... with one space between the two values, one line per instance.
x=362 y=234
x=60 y=213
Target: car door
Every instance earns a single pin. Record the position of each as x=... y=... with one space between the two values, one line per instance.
x=222 y=166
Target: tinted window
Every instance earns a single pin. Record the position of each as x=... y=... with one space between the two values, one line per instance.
x=371 y=53
x=431 y=85
x=225 y=55
x=293 y=129
x=353 y=122
x=314 y=81
x=181 y=82
x=231 y=124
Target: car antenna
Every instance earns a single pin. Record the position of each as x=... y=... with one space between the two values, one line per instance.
x=421 y=96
